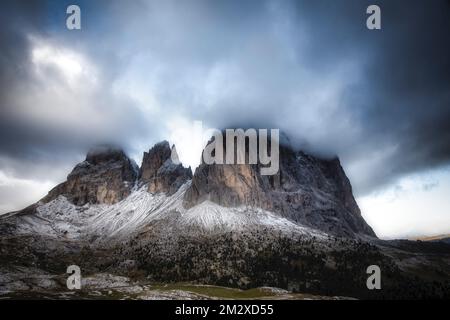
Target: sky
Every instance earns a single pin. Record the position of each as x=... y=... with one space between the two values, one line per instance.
x=139 y=72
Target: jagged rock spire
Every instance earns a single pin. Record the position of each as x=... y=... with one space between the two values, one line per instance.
x=160 y=172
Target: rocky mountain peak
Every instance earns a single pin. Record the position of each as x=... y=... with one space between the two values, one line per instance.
x=105 y=153
x=160 y=172
x=308 y=190
x=106 y=176
x=153 y=160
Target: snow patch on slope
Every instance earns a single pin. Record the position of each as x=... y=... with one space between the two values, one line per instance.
x=60 y=218
x=210 y=215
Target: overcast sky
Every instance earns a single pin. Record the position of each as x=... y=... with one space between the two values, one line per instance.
x=139 y=70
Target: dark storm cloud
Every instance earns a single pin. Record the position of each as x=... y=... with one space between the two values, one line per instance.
x=404 y=98
x=14 y=46
x=379 y=99
x=31 y=146
x=401 y=99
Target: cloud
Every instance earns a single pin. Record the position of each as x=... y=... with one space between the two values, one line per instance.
x=409 y=208
x=57 y=100
x=25 y=191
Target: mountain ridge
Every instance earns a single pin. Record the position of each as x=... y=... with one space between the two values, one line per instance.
x=306 y=190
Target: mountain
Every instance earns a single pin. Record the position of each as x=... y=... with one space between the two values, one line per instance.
x=160 y=173
x=300 y=230
x=306 y=190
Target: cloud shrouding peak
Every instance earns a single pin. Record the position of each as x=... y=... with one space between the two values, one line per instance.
x=378 y=99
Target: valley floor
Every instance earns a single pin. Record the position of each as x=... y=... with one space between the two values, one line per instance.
x=111 y=287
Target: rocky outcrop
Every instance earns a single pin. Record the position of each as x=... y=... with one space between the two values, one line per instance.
x=160 y=172
x=106 y=176
x=308 y=190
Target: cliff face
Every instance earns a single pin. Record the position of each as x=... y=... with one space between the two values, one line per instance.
x=159 y=171
x=153 y=160
x=106 y=176
x=307 y=190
